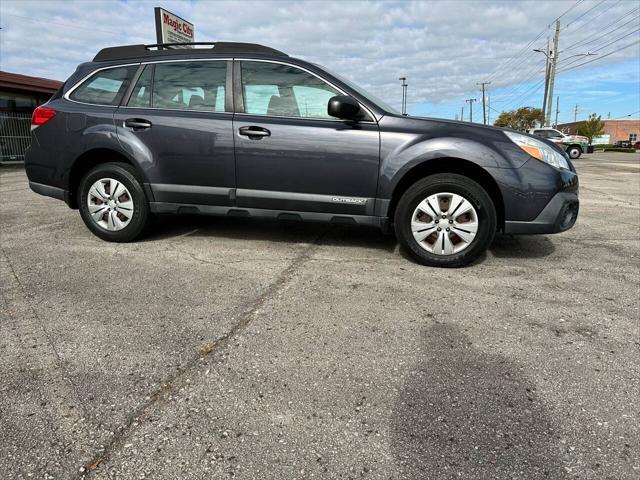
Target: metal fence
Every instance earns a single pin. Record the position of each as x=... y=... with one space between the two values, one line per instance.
x=15 y=135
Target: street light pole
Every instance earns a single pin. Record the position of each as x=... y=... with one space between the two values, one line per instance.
x=404 y=95
x=470 y=102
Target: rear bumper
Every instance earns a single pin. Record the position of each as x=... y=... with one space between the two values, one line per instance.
x=559 y=215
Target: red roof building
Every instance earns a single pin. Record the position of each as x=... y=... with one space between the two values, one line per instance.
x=26 y=84
x=19 y=96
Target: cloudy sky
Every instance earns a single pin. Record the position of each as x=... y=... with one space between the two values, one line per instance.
x=443 y=47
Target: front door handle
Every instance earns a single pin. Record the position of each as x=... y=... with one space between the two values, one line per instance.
x=254 y=132
x=137 y=123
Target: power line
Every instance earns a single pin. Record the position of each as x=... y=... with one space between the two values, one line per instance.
x=603 y=11
x=583 y=42
x=516 y=88
x=602 y=47
x=616 y=40
x=600 y=57
x=504 y=65
x=491 y=108
x=576 y=19
x=526 y=47
x=515 y=102
x=631 y=114
x=533 y=73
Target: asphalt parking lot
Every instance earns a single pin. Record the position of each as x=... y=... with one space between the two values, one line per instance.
x=222 y=348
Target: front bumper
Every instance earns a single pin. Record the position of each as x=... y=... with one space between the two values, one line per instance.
x=559 y=215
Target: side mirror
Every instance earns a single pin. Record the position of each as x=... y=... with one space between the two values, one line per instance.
x=343 y=106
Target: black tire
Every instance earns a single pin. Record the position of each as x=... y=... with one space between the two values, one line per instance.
x=574 y=152
x=456 y=184
x=126 y=174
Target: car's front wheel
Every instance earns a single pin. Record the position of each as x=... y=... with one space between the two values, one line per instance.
x=112 y=202
x=445 y=220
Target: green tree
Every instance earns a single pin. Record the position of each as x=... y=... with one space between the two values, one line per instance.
x=522 y=119
x=592 y=127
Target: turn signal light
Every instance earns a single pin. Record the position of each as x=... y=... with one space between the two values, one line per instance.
x=533 y=151
x=42 y=115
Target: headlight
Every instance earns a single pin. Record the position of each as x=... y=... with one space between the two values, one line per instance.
x=539 y=150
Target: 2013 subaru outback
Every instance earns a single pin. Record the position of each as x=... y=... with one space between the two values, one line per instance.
x=243 y=129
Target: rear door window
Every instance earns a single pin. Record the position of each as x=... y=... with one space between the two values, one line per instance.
x=105 y=87
x=197 y=85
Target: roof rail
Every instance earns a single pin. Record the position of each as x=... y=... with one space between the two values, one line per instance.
x=161 y=49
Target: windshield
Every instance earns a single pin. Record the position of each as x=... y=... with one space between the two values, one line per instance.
x=360 y=91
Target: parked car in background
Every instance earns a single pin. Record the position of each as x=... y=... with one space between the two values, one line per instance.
x=245 y=130
x=574 y=145
x=624 y=144
x=637 y=145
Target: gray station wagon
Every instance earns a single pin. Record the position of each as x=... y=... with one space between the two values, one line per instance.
x=245 y=130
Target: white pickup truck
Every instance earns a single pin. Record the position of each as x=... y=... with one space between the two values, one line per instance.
x=574 y=145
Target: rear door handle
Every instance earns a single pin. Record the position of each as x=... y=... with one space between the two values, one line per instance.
x=137 y=123
x=254 y=132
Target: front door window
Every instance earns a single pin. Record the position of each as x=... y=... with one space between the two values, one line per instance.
x=278 y=90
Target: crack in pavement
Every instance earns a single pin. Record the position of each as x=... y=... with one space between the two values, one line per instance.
x=47 y=336
x=178 y=380
x=608 y=195
x=63 y=411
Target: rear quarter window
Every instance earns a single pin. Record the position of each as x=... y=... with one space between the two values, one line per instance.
x=105 y=87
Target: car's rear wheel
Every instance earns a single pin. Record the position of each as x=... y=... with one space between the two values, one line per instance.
x=112 y=202
x=445 y=220
x=574 y=152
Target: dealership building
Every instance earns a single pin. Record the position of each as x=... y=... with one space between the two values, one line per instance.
x=614 y=130
x=19 y=96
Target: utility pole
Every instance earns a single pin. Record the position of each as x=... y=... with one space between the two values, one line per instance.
x=484 y=109
x=462 y=114
x=575 y=114
x=552 y=74
x=470 y=102
x=404 y=95
x=489 y=110
x=557 y=110
x=546 y=82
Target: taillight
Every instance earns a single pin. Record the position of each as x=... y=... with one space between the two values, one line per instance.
x=42 y=115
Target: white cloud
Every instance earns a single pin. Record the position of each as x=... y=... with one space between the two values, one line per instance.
x=443 y=47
